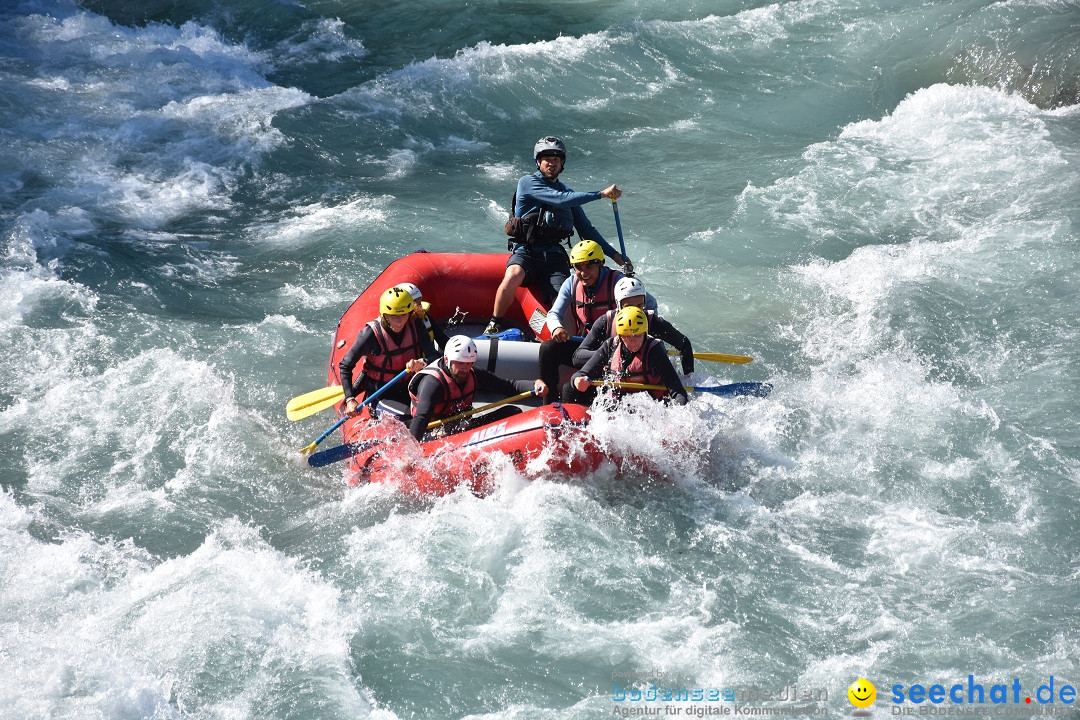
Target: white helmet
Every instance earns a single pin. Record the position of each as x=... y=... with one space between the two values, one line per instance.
x=628 y=287
x=412 y=290
x=460 y=348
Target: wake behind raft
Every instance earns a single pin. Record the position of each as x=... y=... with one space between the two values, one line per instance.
x=540 y=441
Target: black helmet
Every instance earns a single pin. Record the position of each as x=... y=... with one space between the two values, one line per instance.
x=549 y=146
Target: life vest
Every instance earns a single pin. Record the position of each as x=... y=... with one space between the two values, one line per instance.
x=427 y=320
x=531 y=230
x=637 y=370
x=456 y=398
x=393 y=355
x=587 y=309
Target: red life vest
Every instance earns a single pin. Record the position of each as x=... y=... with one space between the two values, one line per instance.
x=393 y=356
x=586 y=310
x=637 y=369
x=456 y=398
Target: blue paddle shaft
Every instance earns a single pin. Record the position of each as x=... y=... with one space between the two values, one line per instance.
x=618 y=227
x=755 y=389
x=373 y=396
x=331 y=429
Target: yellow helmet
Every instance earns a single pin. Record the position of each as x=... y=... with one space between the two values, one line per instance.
x=396 y=301
x=585 y=251
x=631 y=321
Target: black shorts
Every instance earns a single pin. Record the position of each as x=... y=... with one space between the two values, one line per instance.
x=546 y=268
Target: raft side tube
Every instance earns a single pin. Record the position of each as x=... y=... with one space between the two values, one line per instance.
x=509 y=360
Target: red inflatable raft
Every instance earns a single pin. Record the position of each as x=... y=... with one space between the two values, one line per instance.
x=541 y=440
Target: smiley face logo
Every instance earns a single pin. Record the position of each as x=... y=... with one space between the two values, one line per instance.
x=862 y=693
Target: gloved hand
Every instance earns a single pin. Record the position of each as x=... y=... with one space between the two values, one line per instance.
x=628 y=268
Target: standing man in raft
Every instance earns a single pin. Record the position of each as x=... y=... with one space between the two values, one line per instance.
x=546 y=213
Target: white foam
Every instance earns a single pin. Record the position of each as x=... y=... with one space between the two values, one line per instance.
x=95 y=38
x=933 y=168
x=37 y=237
x=311 y=224
x=513 y=576
x=321 y=298
x=398 y=163
x=173 y=113
x=761 y=26
x=205 y=270
x=245 y=116
x=104 y=629
x=450 y=85
x=501 y=171
x=942 y=223
x=325 y=42
x=153 y=200
x=24 y=294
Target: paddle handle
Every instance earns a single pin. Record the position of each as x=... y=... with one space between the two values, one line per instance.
x=631 y=385
x=618 y=228
x=367 y=401
x=326 y=434
x=452 y=418
x=719 y=357
x=757 y=389
x=348 y=450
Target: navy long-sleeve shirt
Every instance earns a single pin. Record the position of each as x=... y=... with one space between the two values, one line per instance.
x=534 y=193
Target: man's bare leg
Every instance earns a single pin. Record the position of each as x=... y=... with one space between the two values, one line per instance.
x=504 y=296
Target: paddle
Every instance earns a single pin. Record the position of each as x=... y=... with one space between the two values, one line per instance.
x=308 y=404
x=347 y=450
x=755 y=389
x=622 y=244
x=750 y=389
x=316 y=401
x=310 y=448
x=715 y=357
x=339 y=452
x=482 y=408
x=718 y=357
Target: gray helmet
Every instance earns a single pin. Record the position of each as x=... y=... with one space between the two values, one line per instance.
x=547 y=146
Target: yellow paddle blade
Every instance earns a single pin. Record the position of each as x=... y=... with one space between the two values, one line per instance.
x=719 y=357
x=308 y=404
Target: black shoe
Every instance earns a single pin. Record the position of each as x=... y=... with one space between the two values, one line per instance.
x=493 y=328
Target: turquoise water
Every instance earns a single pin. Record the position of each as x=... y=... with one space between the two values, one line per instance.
x=878 y=201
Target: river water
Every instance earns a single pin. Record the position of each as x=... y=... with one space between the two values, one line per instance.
x=876 y=200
